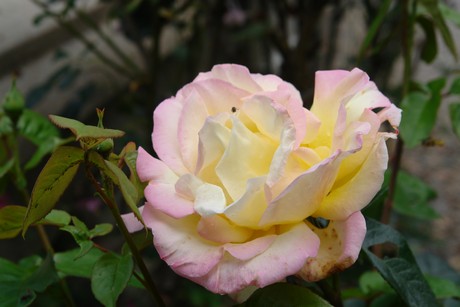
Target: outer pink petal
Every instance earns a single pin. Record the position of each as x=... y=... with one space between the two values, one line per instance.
x=340 y=245
x=163 y=197
x=285 y=256
x=131 y=221
x=178 y=243
x=164 y=137
x=192 y=118
x=148 y=168
x=217 y=95
x=304 y=195
x=357 y=192
x=234 y=74
x=250 y=249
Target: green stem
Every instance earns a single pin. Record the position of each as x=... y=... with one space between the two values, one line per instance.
x=110 y=202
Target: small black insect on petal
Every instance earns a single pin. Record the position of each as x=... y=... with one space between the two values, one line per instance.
x=234 y=109
x=318 y=222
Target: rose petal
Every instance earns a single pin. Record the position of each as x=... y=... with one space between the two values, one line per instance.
x=209 y=200
x=148 y=168
x=304 y=195
x=269 y=118
x=246 y=156
x=250 y=249
x=332 y=88
x=237 y=75
x=217 y=95
x=131 y=221
x=248 y=210
x=163 y=197
x=164 y=137
x=285 y=256
x=191 y=121
x=339 y=248
x=359 y=190
x=179 y=244
x=213 y=139
x=218 y=229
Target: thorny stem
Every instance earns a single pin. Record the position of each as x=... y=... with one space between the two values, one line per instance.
x=110 y=202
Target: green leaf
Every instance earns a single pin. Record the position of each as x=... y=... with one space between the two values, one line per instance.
x=127 y=188
x=402 y=271
x=52 y=182
x=430 y=46
x=100 y=230
x=13 y=103
x=432 y=7
x=43 y=277
x=454 y=111
x=11 y=218
x=129 y=155
x=82 y=131
x=450 y=14
x=4 y=169
x=374 y=27
x=19 y=283
x=443 y=288
x=455 y=87
x=11 y=289
x=35 y=127
x=69 y=264
x=420 y=113
x=6 y=125
x=412 y=196
x=110 y=276
x=56 y=218
x=372 y=283
x=284 y=294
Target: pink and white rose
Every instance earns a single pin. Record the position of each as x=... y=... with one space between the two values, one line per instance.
x=242 y=165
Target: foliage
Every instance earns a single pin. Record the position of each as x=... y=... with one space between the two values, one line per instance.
x=388 y=272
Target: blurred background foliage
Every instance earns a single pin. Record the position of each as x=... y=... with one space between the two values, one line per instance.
x=165 y=44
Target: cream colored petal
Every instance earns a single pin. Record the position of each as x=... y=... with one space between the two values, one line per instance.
x=248 y=210
x=359 y=190
x=247 y=156
x=269 y=118
x=339 y=248
x=209 y=200
x=216 y=228
x=213 y=139
x=304 y=195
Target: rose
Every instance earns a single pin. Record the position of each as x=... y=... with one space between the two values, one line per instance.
x=250 y=187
